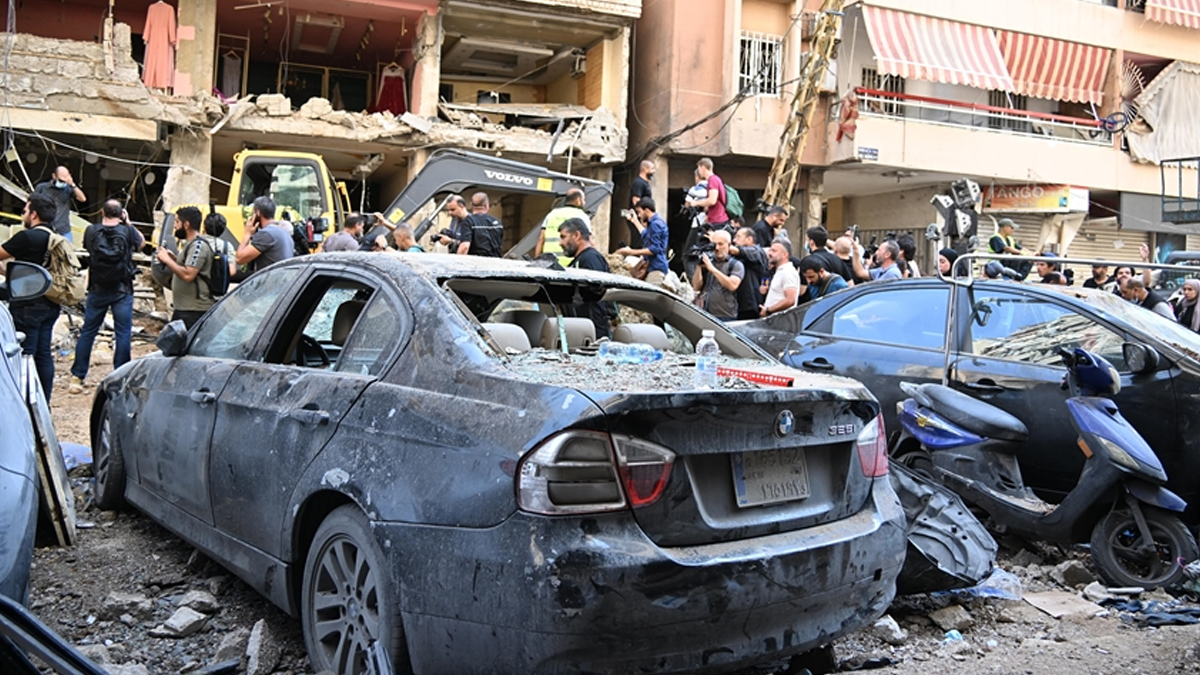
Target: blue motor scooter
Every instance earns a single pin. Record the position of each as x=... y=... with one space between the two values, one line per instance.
x=1119 y=503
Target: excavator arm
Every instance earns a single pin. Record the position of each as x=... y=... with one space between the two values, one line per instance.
x=451 y=171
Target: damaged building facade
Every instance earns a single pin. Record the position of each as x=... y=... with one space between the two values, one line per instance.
x=1064 y=124
x=151 y=106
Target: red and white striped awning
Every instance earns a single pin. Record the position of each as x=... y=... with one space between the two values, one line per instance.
x=1178 y=12
x=1054 y=69
x=914 y=46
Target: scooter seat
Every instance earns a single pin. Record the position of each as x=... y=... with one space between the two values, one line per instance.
x=974 y=415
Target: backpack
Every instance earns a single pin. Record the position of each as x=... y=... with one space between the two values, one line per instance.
x=217 y=279
x=300 y=239
x=733 y=203
x=66 y=277
x=111 y=262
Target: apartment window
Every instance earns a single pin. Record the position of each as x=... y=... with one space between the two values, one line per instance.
x=760 y=64
x=1003 y=99
x=871 y=79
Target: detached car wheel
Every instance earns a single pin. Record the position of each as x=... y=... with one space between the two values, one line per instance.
x=350 y=611
x=108 y=466
x=1125 y=558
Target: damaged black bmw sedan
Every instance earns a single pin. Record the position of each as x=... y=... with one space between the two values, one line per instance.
x=428 y=461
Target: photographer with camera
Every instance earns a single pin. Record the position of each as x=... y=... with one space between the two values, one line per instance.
x=265 y=242
x=756 y=261
x=654 y=240
x=718 y=277
x=348 y=238
x=886 y=256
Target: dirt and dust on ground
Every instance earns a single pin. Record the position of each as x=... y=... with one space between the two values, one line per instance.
x=142 y=602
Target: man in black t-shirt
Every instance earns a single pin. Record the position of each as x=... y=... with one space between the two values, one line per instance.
x=35 y=318
x=818 y=236
x=576 y=239
x=480 y=233
x=641 y=184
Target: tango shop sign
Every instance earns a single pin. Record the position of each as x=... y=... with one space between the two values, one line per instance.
x=1035 y=198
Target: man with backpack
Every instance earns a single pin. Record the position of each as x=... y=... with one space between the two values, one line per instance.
x=35 y=318
x=194 y=269
x=714 y=202
x=110 y=245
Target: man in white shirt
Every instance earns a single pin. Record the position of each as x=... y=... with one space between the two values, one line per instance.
x=785 y=283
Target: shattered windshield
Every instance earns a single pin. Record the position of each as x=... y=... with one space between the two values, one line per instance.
x=554 y=332
x=1145 y=321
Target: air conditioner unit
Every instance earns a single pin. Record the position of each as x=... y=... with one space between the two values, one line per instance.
x=579 y=66
x=829 y=82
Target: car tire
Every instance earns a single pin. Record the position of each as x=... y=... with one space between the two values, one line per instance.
x=349 y=601
x=1116 y=536
x=108 y=466
x=921 y=463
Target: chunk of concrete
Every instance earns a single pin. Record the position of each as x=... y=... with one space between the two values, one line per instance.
x=889 y=631
x=262 y=650
x=953 y=617
x=233 y=645
x=127 y=669
x=95 y=653
x=133 y=604
x=184 y=622
x=1072 y=573
x=201 y=601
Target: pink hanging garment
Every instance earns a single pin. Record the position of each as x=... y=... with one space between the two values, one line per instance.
x=159 y=35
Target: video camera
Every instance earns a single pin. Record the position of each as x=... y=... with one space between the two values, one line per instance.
x=869 y=249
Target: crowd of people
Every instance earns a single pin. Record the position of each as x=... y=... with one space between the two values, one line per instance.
x=738 y=271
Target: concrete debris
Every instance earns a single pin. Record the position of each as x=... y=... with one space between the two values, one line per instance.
x=233 y=645
x=95 y=653
x=1072 y=573
x=953 y=617
x=316 y=108
x=184 y=622
x=201 y=601
x=889 y=631
x=674 y=372
x=1025 y=558
x=117 y=604
x=218 y=585
x=1097 y=593
x=274 y=105
x=1059 y=604
x=262 y=650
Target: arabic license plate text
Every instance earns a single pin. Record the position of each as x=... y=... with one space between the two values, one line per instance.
x=769 y=476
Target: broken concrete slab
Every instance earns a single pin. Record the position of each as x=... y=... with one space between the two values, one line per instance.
x=953 y=617
x=233 y=644
x=184 y=622
x=127 y=669
x=1059 y=604
x=201 y=601
x=262 y=650
x=1072 y=573
x=132 y=604
x=889 y=631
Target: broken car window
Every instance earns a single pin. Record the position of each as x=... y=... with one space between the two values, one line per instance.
x=374 y=337
x=225 y=333
x=1022 y=328
x=891 y=317
x=315 y=329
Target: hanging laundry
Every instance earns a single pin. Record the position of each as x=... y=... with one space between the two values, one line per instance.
x=161 y=41
x=231 y=75
x=393 y=92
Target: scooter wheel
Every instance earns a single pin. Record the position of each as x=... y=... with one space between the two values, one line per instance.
x=921 y=463
x=1124 y=558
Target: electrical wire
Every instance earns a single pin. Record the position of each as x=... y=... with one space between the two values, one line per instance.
x=112 y=158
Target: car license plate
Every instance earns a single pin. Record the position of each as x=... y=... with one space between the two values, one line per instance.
x=769 y=476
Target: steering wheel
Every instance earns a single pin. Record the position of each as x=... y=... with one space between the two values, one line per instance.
x=307 y=347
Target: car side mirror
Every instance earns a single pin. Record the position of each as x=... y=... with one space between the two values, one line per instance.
x=26 y=281
x=1139 y=357
x=982 y=313
x=172 y=341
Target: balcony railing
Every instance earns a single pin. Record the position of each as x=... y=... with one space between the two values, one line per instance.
x=876 y=103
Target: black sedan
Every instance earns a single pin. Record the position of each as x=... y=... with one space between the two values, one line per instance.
x=425 y=458
x=1001 y=345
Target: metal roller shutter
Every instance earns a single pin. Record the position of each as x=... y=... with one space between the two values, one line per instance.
x=1103 y=239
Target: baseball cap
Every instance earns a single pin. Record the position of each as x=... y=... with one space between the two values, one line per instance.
x=1009 y=222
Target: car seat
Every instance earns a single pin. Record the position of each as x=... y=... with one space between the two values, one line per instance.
x=580 y=333
x=343 y=320
x=508 y=336
x=531 y=320
x=645 y=333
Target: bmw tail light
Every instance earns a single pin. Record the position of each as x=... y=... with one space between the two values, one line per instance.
x=872 y=449
x=572 y=472
x=591 y=472
x=645 y=468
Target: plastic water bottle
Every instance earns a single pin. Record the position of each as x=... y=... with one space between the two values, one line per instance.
x=637 y=352
x=707 y=353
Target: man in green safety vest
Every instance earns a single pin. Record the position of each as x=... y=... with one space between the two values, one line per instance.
x=549 y=241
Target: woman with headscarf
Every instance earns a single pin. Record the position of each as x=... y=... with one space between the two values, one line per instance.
x=946 y=258
x=1185 y=307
